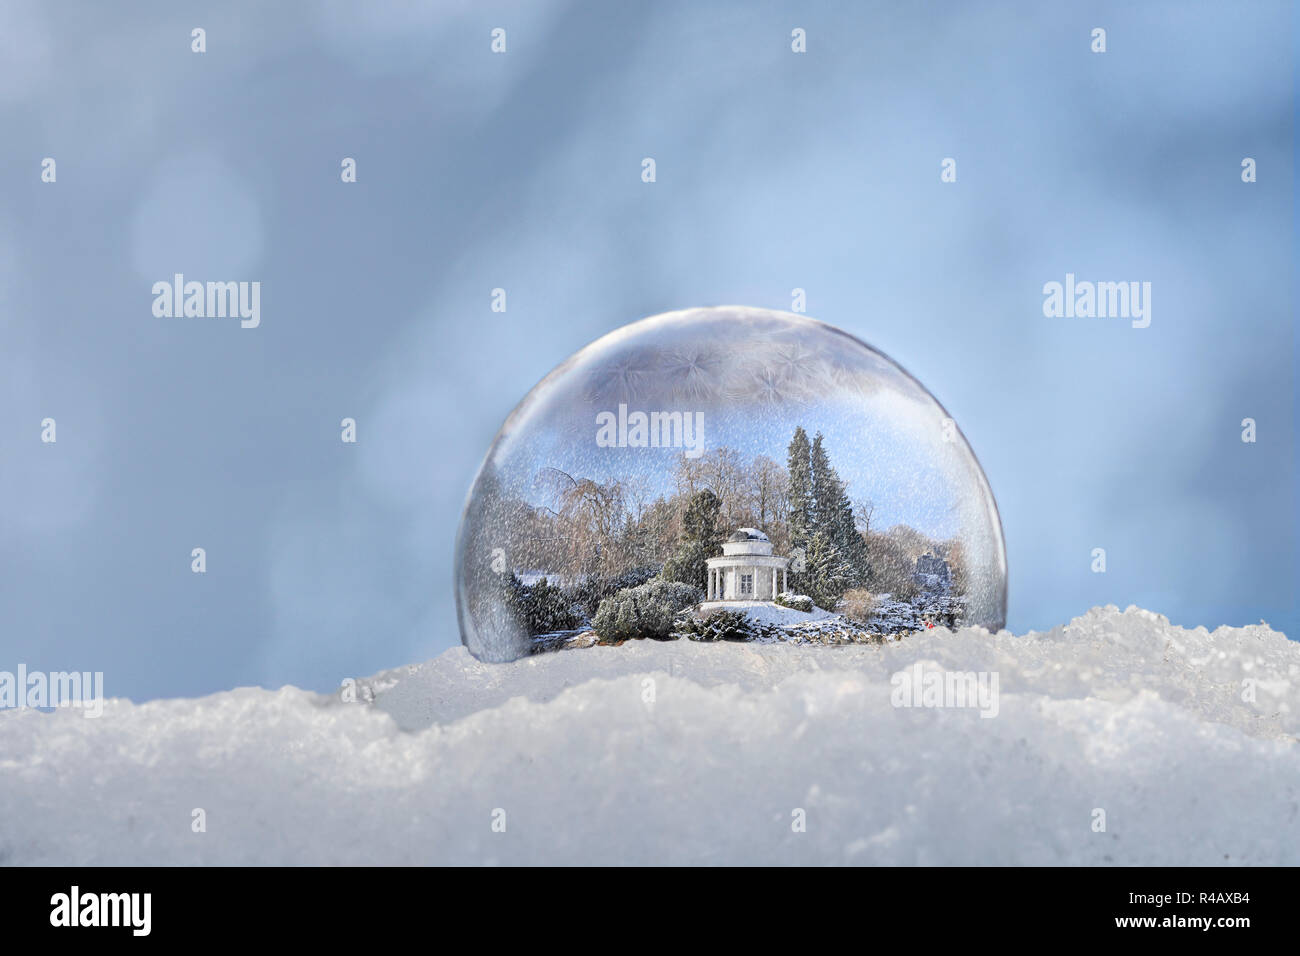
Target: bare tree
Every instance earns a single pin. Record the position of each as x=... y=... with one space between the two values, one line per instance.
x=863 y=509
x=768 y=484
x=724 y=476
x=688 y=475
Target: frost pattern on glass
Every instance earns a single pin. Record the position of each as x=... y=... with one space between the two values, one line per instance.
x=726 y=474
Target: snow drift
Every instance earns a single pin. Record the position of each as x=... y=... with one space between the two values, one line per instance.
x=697 y=753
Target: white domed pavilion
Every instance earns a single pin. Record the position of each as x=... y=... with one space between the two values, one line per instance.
x=747 y=569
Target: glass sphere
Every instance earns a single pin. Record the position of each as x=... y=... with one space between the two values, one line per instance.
x=726 y=473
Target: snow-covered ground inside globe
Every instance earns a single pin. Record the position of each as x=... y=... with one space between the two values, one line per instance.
x=766 y=612
x=679 y=752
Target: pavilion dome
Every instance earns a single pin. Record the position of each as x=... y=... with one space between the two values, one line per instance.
x=746 y=541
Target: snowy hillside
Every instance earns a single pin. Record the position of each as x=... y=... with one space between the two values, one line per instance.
x=705 y=753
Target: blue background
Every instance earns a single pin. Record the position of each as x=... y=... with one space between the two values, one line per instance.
x=522 y=171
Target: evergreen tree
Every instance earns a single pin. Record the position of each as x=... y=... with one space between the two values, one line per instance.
x=829 y=573
x=800 y=510
x=799 y=505
x=701 y=540
x=824 y=482
x=834 y=514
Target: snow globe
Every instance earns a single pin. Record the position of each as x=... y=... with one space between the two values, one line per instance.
x=726 y=473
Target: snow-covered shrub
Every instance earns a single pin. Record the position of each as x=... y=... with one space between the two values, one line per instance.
x=797 y=602
x=647 y=610
x=896 y=617
x=541 y=608
x=589 y=592
x=719 y=625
